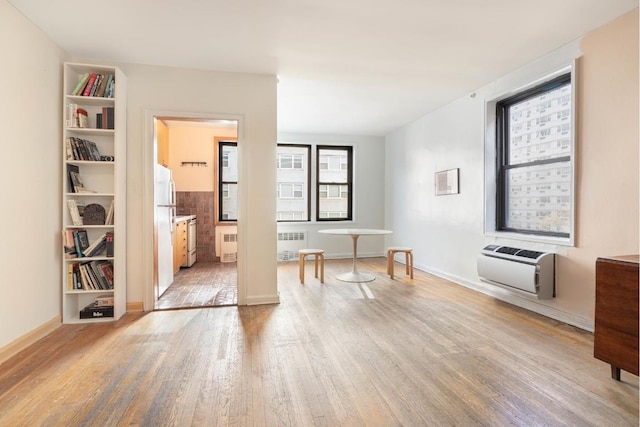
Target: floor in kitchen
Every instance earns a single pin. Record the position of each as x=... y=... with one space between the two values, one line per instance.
x=205 y=284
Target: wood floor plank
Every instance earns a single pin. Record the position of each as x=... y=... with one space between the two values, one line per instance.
x=389 y=352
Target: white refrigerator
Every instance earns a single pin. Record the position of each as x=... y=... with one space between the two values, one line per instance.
x=165 y=206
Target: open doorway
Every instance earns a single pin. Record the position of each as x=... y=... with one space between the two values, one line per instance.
x=192 y=262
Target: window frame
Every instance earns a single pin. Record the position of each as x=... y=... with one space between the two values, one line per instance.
x=348 y=183
x=223 y=162
x=496 y=202
x=308 y=166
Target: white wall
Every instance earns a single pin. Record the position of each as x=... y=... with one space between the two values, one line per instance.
x=30 y=119
x=194 y=92
x=446 y=232
x=368 y=189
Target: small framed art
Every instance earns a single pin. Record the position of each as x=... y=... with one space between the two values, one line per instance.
x=446 y=182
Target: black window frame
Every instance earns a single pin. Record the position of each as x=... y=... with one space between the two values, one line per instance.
x=502 y=153
x=348 y=183
x=221 y=182
x=308 y=165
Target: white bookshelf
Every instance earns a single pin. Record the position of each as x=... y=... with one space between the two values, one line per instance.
x=106 y=179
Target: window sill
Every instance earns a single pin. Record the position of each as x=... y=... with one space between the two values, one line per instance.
x=559 y=241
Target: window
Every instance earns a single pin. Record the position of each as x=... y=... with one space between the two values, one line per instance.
x=534 y=147
x=294 y=181
x=290 y=191
x=227 y=181
x=290 y=161
x=291 y=216
x=334 y=191
x=334 y=183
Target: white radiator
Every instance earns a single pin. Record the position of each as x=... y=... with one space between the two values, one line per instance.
x=227 y=243
x=522 y=269
x=289 y=243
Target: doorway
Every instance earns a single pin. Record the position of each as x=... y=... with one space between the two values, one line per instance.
x=201 y=277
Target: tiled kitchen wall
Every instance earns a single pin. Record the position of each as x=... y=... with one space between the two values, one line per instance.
x=200 y=204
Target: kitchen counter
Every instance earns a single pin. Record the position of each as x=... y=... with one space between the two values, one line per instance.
x=181 y=218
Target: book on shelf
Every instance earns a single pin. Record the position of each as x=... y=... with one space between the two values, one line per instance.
x=98 y=120
x=71 y=115
x=96 y=85
x=109 y=90
x=90 y=83
x=81 y=240
x=73 y=277
x=74 y=212
x=94 y=311
x=69 y=244
x=83 y=149
x=70 y=170
x=104 y=300
x=109 y=219
x=102 y=86
x=76 y=181
x=109 y=244
x=83 y=118
x=108 y=118
x=96 y=247
x=69 y=149
x=107 y=271
x=82 y=82
x=90 y=275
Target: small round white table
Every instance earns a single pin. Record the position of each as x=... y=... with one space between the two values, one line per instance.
x=354 y=275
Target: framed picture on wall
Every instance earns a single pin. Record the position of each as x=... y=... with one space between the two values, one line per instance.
x=446 y=182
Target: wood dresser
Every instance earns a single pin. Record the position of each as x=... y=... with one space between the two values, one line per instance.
x=616 y=318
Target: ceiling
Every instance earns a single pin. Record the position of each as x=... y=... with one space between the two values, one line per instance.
x=352 y=67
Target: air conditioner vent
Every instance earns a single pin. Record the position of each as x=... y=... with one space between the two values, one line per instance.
x=530 y=254
x=287 y=255
x=289 y=243
x=290 y=236
x=508 y=250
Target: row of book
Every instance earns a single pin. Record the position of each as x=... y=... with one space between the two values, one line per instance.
x=83 y=149
x=95 y=84
x=78 y=117
x=90 y=276
x=76 y=244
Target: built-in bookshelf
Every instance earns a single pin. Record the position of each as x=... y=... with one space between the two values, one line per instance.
x=93 y=194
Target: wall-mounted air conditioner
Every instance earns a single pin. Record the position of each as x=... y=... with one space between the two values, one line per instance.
x=529 y=271
x=227 y=243
x=289 y=243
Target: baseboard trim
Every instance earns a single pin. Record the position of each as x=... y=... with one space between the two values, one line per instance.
x=263 y=299
x=29 y=338
x=135 y=306
x=512 y=297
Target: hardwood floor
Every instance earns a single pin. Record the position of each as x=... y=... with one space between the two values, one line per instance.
x=204 y=284
x=402 y=352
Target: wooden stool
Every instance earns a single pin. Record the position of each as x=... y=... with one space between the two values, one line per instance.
x=408 y=260
x=319 y=255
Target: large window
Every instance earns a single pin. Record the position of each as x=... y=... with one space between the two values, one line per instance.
x=534 y=146
x=334 y=183
x=227 y=181
x=294 y=181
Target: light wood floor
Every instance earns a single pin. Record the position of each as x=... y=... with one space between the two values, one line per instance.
x=401 y=352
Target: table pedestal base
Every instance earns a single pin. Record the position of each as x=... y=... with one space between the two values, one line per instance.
x=356 y=277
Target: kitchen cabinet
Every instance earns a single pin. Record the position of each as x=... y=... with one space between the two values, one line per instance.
x=179 y=245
